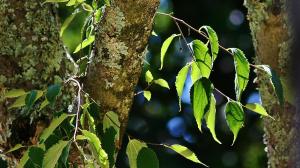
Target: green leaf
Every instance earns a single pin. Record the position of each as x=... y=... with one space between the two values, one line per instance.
x=87 y=7
x=23 y=160
x=242 y=69
x=44 y=104
x=30 y=99
x=36 y=155
x=68 y=20
x=162 y=83
x=185 y=152
x=149 y=77
x=203 y=58
x=52 y=154
x=164 y=48
x=133 y=148
x=147 y=94
x=147 y=159
x=111 y=119
x=16 y=147
x=14 y=93
x=97 y=149
x=201 y=95
x=53 y=125
x=85 y=43
x=255 y=107
x=71 y=3
x=234 y=117
x=107 y=2
x=52 y=92
x=179 y=83
x=213 y=40
x=211 y=118
x=109 y=145
x=20 y=102
x=195 y=72
x=275 y=81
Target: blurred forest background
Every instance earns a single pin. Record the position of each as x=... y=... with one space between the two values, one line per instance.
x=159 y=121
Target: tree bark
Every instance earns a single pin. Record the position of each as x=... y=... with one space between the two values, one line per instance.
x=32 y=57
x=120 y=45
x=271 y=35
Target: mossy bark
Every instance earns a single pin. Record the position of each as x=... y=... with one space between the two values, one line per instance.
x=120 y=44
x=31 y=57
x=271 y=38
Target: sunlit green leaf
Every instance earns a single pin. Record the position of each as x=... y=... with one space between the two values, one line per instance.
x=179 y=83
x=195 y=72
x=149 y=77
x=87 y=7
x=111 y=119
x=242 y=69
x=164 y=48
x=71 y=3
x=44 y=104
x=16 y=147
x=162 y=83
x=201 y=95
x=211 y=118
x=147 y=94
x=97 y=149
x=14 y=93
x=132 y=151
x=23 y=160
x=203 y=58
x=234 y=117
x=53 y=153
x=275 y=81
x=20 y=102
x=68 y=20
x=107 y=2
x=85 y=43
x=255 y=107
x=53 y=125
x=213 y=39
x=185 y=152
x=147 y=159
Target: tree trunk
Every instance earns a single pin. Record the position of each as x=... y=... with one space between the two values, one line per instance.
x=271 y=39
x=116 y=67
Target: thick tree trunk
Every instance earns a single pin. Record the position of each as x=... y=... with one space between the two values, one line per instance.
x=116 y=67
x=31 y=57
x=271 y=38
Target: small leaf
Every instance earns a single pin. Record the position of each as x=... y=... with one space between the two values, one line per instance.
x=164 y=48
x=20 y=102
x=203 y=58
x=30 y=99
x=242 y=69
x=185 y=152
x=53 y=153
x=87 y=7
x=275 y=81
x=68 y=20
x=147 y=95
x=111 y=119
x=55 y=1
x=16 y=147
x=179 y=83
x=147 y=159
x=23 y=160
x=255 y=107
x=132 y=151
x=71 y=3
x=85 y=43
x=107 y=2
x=234 y=117
x=53 y=125
x=97 y=149
x=213 y=40
x=195 y=72
x=14 y=93
x=201 y=95
x=149 y=77
x=211 y=118
x=162 y=83
x=36 y=155
x=52 y=92
x=44 y=104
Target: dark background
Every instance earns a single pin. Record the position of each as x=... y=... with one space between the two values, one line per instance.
x=159 y=120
